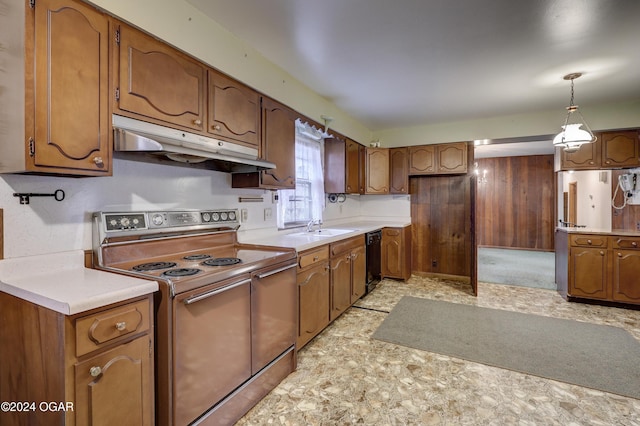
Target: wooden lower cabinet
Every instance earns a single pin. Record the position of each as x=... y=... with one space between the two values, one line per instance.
x=99 y=362
x=396 y=253
x=589 y=273
x=625 y=285
x=348 y=274
x=313 y=294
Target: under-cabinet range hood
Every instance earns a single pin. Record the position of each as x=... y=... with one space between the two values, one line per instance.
x=142 y=141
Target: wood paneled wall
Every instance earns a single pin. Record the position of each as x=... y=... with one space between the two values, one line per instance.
x=628 y=218
x=516 y=206
x=440 y=223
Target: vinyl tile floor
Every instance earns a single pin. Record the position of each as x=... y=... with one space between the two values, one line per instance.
x=344 y=377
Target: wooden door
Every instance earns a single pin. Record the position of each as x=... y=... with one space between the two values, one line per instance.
x=114 y=387
x=626 y=273
x=399 y=171
x=620 y=149
x=358 y=273
x=452 y=158
x=588 y=273
x=352 y=167
x=155 y=81
x=377 y=171
x=278 y=145
x=587 y=157
x=422 y=160
x=72 y=114
x=234 y=110
x=313 y=293
x=340 y=284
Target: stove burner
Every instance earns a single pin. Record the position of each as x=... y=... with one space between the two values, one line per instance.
x=222 y=261
x=152 y=266
x=196 y=256
x=181 y=272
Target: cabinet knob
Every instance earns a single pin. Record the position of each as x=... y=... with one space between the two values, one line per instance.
x=634 y=244
x=607 y=162
x=589 y=242
x=315 y=258
x=120 y=326
x=98 y=161
x=601 y=253
x=197 y=122
x=95 y=371
x=591 y=162
x=216 y=127
x=619 y=254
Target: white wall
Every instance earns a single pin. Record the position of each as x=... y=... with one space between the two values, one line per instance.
x=593 y=199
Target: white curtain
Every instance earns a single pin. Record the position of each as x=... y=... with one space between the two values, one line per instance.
x=306 y=202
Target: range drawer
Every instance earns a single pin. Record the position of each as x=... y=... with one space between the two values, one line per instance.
x=313 y=257
x=589 y=240
x=626 y=242
x=99 y=329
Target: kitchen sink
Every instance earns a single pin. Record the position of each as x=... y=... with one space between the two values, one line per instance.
x=327 y=232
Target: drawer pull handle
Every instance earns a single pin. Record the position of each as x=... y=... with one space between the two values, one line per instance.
x=95 y=371
x=589 y=242
x=315 y=258
x=120 y=326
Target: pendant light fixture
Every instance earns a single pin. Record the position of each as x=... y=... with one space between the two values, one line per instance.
x=572 y=136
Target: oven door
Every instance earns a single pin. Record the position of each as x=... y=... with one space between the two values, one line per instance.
x=212 y=352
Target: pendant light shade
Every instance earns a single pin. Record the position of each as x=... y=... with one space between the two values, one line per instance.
x=572 y=136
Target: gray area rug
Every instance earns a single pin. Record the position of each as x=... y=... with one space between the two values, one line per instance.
x=524 y=268
x=595 y=356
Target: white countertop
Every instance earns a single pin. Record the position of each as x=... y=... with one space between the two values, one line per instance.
x=602 y=231
x=292 y=239
x=60 y=282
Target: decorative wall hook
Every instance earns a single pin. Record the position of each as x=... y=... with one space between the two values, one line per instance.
x=58 y=195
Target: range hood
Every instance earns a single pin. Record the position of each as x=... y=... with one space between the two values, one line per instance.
x=139 y=140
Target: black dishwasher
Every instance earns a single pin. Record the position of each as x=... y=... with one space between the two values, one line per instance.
x=373 y=239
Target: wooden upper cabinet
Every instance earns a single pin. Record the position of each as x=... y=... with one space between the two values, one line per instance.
x=398 y=171
x=157 y=83
x=71 y=124
x=234 y=110
x=342 y=166
x=451 y=158
x=278 y=145
x=353 y=167
x=422 y=159
x=377 y=171
x=585 y=158
x=620 y=149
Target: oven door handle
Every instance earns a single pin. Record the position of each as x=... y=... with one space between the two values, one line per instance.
x=275 y=271
x=207 y=294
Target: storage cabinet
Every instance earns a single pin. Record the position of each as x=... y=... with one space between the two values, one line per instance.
x=611 y=150
x=377 y=171
x=625 y=285
x=342 y=166
x=101 y=361
x=234 y=110
x=449 y=158
x=348 y=274
x=398 y=171
x=157 y=83
x=278 y=147
x=313 y=293
x=396 y=253
x=63 y=126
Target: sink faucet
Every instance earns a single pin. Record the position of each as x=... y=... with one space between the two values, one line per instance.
x=314 y=222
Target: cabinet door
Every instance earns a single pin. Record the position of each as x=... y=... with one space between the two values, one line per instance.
x=335 y=166
x=234 y=110
x=313 y=293
x=158 y=82
x=620 y=149
x=352 y=167
x=587 y=157
x=588 y=273
x=626 y=270
x=340 y=285
x=377 y=171
x=114 y=388
x=452 y=157
x=72 y=120
x=358 y=273
x=399 y=173
x=422 y=159
x=278 y=145
x=391 y=253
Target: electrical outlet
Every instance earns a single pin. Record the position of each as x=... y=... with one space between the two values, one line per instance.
x=434 y=263
x=244 y=215
x=267 y=213
x=274 y=197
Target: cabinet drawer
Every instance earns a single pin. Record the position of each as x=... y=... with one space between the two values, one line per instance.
x=346 y=245
x=97 y=330
x=589 y=241
x=312 y=257
x=626 y=243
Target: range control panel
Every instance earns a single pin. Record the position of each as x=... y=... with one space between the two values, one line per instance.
x=141 y=221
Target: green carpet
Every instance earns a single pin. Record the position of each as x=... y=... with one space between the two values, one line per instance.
x=595 y=356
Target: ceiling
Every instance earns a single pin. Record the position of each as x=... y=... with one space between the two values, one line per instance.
x=403 y=63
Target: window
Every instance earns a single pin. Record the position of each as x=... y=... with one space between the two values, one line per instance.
x=298 y=206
